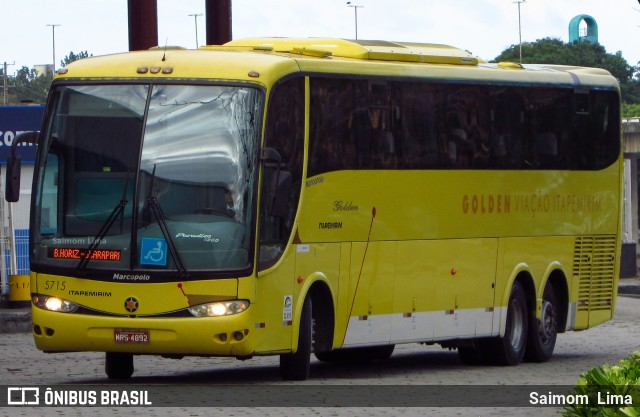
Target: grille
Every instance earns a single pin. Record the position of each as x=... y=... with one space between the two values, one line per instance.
x=594 y=267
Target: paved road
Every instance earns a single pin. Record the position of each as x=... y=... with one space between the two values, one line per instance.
x=576 y=352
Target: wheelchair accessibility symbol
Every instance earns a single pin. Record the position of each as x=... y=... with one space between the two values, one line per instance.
x=153 y=251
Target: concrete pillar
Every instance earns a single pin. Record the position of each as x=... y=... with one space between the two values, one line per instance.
x=143 y=24
x=218 y=21
x=631 y=135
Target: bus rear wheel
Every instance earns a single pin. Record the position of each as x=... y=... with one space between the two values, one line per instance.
x=543 y=332
x=509 y=349
x=118 y=365
x=295 y=366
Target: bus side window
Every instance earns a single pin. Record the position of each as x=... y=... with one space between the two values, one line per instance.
x=284 y=133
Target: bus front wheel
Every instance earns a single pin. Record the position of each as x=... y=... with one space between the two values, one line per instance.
x=295 y=366
x=118 y=365
x=509 y=349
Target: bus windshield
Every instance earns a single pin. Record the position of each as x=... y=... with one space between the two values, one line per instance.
x=156 y=178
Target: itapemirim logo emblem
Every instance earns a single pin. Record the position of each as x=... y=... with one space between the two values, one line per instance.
x=131 y=304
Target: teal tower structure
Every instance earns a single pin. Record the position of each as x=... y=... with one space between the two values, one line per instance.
x=592 y=29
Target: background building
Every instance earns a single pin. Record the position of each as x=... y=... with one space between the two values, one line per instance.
x=14 y=224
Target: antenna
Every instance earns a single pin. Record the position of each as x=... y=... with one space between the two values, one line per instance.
x=164 y=55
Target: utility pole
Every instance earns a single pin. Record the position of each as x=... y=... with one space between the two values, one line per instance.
x=5 y=86
x=53 y=32
x=195 y=18
x=355 y=9
x=519 y=2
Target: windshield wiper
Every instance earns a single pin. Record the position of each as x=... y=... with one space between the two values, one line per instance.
x=160 y=218
x=117 y=211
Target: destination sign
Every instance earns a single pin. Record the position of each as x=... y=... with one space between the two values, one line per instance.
x=81 y=253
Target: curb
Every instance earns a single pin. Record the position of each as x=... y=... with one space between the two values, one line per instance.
x=629 y=289
x=15 y=321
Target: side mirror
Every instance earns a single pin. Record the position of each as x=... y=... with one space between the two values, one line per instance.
x=12 y=189
x=14 y=163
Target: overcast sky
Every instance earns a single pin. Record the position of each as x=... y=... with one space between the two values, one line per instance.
x=483 y=27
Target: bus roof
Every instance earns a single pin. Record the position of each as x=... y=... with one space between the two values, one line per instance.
x=361 y=49
x=265 y=60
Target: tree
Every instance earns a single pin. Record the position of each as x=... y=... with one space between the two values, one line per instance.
x=74 y=57
x=581 y=53
x=27 y=86
x=630 y=110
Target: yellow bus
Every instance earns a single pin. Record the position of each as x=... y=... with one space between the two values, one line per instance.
x=297 y=196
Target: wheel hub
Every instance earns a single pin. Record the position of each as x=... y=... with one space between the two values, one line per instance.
x=547 y=321
x=517 y=325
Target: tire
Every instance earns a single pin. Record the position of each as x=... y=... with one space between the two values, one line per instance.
x=509 y=349
x=295 y=366
x=543 y=332
x=118 y=365
x=357 y=355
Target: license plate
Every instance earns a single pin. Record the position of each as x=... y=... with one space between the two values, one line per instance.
x=131 y=336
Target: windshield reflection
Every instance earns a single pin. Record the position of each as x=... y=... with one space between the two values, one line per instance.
x=195 y=162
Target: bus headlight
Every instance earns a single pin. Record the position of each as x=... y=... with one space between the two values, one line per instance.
x=225 y=308
x=46 y=302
